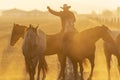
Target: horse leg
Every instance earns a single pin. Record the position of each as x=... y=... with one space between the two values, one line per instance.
x=33 y=67
x=27 y=64
x=42 y=65
x=108 y=66
x=39 y=69
x=62 y=60
x=69 y=69
x=75 y=67
x=29 y=68
x=44 y=74
x=31 y=76
x=108 y=52
x=32 y=73
x=44 y=70
x=92 y=67
x=118 y=64
x=81 y=70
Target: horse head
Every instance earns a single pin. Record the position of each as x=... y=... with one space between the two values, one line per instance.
x=107 y=37
x=31 y=35
x=32 y=29
x=17 y=32
x=105 y=33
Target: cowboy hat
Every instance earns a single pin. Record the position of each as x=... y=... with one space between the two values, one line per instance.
x=65 y=6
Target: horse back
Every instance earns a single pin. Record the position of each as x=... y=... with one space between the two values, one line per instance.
x=53 y=43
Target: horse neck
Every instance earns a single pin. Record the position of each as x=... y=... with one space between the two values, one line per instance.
x=95 y=38
x=107 y=36
x=23 y=32
x=92 y=35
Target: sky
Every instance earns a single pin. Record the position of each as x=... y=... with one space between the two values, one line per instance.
x=80 y=6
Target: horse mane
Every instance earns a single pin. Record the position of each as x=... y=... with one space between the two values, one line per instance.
x=94 y=29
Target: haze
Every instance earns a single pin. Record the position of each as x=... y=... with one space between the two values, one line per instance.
x=80 y=6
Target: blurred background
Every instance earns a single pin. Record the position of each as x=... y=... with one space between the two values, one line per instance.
x=88 y=14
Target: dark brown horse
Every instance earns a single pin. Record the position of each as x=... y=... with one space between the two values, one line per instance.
x=109 y=49
x=78 y=46
x=53 y=45
x=34 y=45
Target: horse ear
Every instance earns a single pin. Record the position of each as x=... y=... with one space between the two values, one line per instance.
x=14 y=24
x=30 y=26
x=37 y=26
x=103 y=25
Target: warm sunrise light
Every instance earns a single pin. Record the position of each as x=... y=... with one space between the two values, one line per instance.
x=81 y=6
x=29 y=30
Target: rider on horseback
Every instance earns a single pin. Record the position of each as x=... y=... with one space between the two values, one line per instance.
x=67 y=17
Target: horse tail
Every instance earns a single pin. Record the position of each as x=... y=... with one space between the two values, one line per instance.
x=27 y=64
x=43 y=64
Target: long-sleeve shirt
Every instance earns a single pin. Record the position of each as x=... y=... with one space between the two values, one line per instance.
x=64 y=15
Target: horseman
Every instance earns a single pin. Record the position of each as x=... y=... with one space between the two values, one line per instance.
x=67 y=17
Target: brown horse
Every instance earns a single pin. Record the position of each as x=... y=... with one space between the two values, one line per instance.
x=53 y=44
x=78 y=46
x=109 y=49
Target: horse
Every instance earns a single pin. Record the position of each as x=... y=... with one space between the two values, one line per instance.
x=51 y=48
x=78 y=46
x=53 y=44
x=34 y=45
x=109 y=49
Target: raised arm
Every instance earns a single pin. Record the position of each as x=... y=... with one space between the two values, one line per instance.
x=53 y=12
